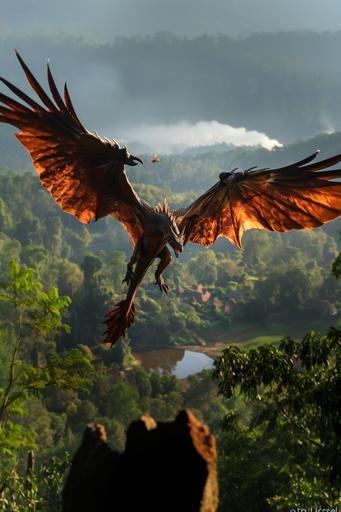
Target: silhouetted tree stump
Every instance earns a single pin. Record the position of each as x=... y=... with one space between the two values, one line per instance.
x=165 y=467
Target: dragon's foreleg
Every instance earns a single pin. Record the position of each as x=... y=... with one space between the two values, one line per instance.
x=165 y=259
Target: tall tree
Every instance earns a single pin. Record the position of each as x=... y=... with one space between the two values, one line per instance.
x=32 y=316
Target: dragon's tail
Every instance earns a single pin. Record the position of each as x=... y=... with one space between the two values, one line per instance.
x=118 y=320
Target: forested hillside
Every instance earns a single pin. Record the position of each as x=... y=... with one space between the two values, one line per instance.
x=56 y=376
x=223 y=287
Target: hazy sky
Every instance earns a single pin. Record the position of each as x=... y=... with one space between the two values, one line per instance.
x=102 y=20
x=147 y=103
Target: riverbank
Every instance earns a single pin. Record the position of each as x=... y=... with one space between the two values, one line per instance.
x=185 y=360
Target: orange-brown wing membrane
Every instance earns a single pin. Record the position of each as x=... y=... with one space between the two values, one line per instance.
x=83 y=171
x=299 y=196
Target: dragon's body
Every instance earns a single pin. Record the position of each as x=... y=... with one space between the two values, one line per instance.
x=159 y=230
x=85 y=174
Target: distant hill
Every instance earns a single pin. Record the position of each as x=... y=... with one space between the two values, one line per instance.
x=287 y=85
x=184 y=173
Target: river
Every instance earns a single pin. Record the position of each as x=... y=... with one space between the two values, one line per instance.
x=175 y=361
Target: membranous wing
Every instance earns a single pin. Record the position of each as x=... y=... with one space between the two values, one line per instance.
x=299 y=196
x=83 y=171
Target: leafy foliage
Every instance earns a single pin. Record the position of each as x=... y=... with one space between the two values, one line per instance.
x=33 y=316
x=293 y=392
x=36 y=490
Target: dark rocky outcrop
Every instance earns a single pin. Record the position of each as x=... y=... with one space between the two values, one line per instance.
x=165 y=467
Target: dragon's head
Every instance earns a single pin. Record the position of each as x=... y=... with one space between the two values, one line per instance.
x=123 y=155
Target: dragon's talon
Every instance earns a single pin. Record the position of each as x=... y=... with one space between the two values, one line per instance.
x=161 y=284
x=130 y=274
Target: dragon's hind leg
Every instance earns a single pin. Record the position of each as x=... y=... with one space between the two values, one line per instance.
x=165 y=259
x=123 y=315
x=119 y=319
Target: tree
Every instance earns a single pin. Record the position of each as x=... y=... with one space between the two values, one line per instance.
x=123 y=403
x=293 y=391
x=91 y=302
x=36 y=490
x=32 y=315
x=204 y=267
x=336 y=268
x=116 y=268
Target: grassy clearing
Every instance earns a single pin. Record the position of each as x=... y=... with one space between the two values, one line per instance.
x=249 y=335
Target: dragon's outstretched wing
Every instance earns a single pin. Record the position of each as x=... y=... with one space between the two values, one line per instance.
x=299 y=196
x=83 y=171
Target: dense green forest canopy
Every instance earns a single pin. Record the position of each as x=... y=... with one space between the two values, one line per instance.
x=64 y=378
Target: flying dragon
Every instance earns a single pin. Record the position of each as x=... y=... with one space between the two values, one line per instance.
x=85 y=173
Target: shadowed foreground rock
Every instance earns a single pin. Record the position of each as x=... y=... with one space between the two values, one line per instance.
x=165 y=467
